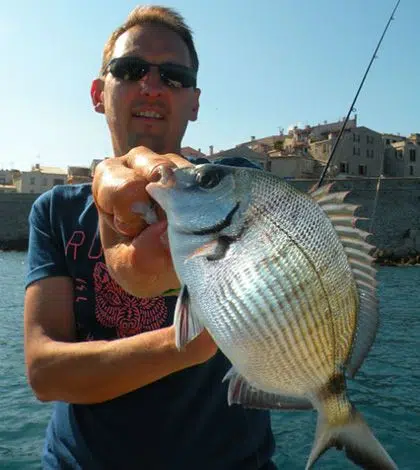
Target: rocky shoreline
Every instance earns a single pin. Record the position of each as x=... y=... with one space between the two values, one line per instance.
x=20 y=244
x=405 y=261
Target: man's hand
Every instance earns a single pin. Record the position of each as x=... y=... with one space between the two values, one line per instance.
x=135 y=243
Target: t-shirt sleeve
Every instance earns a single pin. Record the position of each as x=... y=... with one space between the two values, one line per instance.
x=46 y=256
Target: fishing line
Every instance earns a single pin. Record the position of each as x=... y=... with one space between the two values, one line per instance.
x=317 y=185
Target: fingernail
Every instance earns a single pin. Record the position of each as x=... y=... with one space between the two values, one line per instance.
x=161 y=174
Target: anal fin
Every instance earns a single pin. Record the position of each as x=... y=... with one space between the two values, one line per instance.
x=242 y=393
x=187 y=325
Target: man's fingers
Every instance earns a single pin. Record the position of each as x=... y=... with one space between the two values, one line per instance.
x=146 y=162
x=119 y=189
x=143 y=263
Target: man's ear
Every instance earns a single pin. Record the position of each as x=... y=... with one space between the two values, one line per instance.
x=196 y=105
x=97 y=95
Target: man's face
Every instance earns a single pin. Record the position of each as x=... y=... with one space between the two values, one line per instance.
x=124 y=102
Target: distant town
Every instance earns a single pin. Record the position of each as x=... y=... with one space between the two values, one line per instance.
x=301 y=153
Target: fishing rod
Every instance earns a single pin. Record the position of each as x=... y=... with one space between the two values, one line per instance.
x=324 y=172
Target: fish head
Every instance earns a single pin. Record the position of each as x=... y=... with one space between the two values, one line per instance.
x=202 y=199
x=202 y=203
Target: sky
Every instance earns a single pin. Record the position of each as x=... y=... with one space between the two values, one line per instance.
x=264 y=66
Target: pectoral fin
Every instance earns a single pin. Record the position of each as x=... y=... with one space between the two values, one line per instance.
x=242 y=393
x=213 y=250
x=187 y=325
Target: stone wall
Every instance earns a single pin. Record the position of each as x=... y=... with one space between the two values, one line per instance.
x=393 y=213
x=14 y=212
x=395 y=224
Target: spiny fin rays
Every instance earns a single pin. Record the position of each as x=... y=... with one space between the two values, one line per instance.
x=357 y=250
x=243 y=393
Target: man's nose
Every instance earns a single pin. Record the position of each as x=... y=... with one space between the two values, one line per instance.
x=151 y=84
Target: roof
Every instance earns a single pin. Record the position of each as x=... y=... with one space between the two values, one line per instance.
x=79 y=171
x=238 y=152
x=51 y=170
x=264 y=140
x=188 y=151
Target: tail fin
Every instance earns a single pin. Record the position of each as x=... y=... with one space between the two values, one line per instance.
x=358 y=441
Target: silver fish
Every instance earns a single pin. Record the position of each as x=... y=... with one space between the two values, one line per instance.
x=284 y=283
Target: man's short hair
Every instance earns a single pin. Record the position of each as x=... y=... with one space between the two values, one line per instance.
x=155 y=15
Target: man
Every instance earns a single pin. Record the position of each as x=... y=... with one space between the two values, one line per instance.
x=105 y=351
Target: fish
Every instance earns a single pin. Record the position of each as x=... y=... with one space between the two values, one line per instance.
x=285 y=284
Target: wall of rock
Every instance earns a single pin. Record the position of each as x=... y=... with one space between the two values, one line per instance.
x=14 y=212
x=393 y=212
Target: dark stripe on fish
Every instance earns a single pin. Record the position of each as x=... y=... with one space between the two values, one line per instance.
x=219 y=226
x=336 y=385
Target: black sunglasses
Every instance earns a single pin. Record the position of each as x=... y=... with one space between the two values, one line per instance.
x=134 y=69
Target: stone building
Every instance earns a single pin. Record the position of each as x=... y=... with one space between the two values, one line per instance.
x=360 y=152
x=402 y=157
x=79 y=174
x=293 y=166
x=39 y=179
x=265 y=144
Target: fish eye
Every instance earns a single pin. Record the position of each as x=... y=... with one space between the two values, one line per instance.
x=209 y=179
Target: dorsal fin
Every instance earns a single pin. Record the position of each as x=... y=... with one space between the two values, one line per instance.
x=342 y=216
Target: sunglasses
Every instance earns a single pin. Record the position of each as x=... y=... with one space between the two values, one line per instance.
x=134 y=69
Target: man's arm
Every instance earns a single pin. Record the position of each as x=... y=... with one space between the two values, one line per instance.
x=60 y=369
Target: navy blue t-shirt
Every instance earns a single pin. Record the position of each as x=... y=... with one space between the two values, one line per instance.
x=181 y=421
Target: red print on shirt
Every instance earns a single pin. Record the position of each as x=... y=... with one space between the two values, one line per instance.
x=117 y=309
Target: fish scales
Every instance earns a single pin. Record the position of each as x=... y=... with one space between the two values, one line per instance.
x=233 y=278
x=284 y=284
x=332 y=267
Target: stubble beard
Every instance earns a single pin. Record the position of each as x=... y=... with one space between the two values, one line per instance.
x=154 y=143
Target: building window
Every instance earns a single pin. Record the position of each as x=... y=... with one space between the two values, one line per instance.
x=411 y=170
x=362 y=170
x=44 y=181
x=32 y=180
x=2 y=180
x=412 y=155
x=344 y=167
x=58 y=181
x=387 y=141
